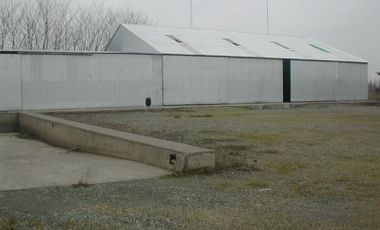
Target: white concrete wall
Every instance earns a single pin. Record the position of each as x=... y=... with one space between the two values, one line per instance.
x=328 y=81
x=254 y=80
x=77 y=81
x=10 y=82
x=313 y=81
x=217 y=80
x=33 y=82
x=194 y=80
x=352 y=82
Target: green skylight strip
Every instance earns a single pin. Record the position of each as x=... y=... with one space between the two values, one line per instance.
x=281 y=45
x=319 y=48
x=231 y=41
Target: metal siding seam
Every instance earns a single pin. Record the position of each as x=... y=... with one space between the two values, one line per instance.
x=336 y=81
x=228 y=81
x=163 y=79
x=21 y=79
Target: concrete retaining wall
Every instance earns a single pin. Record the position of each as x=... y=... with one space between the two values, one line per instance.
x=8 y=122
x=164 y=154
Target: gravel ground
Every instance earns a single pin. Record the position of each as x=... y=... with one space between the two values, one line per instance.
x=305 y=168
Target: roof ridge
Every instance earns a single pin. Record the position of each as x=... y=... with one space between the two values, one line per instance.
x=212 y=30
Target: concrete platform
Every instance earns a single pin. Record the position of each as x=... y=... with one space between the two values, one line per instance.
x=26 y=164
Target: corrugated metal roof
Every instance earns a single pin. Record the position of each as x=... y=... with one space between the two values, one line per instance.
x=188 y=41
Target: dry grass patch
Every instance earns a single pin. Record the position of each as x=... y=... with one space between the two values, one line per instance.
x=257 y=184
x=260 y=138
x=13 y=224
x=269 y=151
x=288 y=168
x=243 y=184
x=83 y=182
x=201 y=116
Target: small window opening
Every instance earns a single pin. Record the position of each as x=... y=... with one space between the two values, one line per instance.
x=319 y=48
x=281 y=45
x=175 y=38
x=231 y=41
x=148 y=102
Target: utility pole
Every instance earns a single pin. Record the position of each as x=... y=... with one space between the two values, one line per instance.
x=268 y=17
x=191 y=13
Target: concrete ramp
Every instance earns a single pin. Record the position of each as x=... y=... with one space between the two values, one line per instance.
x=160 y=153
x=26 y=164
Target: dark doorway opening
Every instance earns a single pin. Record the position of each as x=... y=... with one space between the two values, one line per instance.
x=287 y=80
x=148 y=102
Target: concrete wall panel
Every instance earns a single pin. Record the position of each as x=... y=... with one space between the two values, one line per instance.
x=328 y=81
x=313 y=81
x=80 y=81
x=352 y=83
x=217 y=80
x=195 y=80
x=254 y=80
x=10 y=82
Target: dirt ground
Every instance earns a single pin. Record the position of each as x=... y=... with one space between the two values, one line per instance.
x=304 y=168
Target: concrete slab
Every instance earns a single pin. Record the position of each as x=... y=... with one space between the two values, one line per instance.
x=26 y=163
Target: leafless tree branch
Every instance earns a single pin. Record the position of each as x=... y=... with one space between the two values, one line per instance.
x=57 y=25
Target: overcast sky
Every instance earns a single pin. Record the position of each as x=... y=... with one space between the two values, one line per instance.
x=350 y=25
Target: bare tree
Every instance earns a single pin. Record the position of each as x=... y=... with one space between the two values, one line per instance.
x=61 y=25
x=376 y=88
x=14 y=24
x=45 y=9
x=128 y=16
x=3 y=25
x=57 y=25
x=29 y=26
x=8 y=16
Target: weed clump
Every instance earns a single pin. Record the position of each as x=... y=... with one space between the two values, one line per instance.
x=84 y=181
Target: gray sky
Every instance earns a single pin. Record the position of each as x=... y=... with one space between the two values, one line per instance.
x=350 y=25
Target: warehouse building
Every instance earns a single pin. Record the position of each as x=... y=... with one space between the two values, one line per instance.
x=146 y=65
